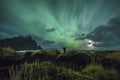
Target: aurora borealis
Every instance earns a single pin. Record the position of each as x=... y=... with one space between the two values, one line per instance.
x=56 y=23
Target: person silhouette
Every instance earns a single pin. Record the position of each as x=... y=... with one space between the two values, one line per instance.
x=64 y=49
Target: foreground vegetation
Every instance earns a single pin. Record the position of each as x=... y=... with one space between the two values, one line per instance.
x=53 y=65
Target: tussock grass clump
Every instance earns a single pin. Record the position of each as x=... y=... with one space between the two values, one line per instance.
x=114 y=56
x=37 y=52
x=7 y=51
x=45 y=71
x=10 y=54
x=112 y=60
x=53 y=52
x=97 y=72
x=49 y=71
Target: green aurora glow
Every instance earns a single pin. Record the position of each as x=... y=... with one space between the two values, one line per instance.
x=69 y=18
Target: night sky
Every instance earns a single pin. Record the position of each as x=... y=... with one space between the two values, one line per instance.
x=58 y=23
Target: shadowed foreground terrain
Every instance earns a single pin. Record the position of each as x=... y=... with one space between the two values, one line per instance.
x=54 y=65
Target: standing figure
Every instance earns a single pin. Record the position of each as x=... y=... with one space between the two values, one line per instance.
x=65 y=49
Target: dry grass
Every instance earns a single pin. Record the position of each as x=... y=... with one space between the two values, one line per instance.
x=114 y=56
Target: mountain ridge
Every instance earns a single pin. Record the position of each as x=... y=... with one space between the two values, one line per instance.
x=20 y=43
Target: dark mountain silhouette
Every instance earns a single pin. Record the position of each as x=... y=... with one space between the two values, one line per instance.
x=20 y=43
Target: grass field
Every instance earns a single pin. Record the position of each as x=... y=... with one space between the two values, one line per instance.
x=54 y=65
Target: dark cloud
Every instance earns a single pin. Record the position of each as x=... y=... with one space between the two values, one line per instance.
x=108 y=34
x=50 y=30
x=80 y=37
x=49 y=42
